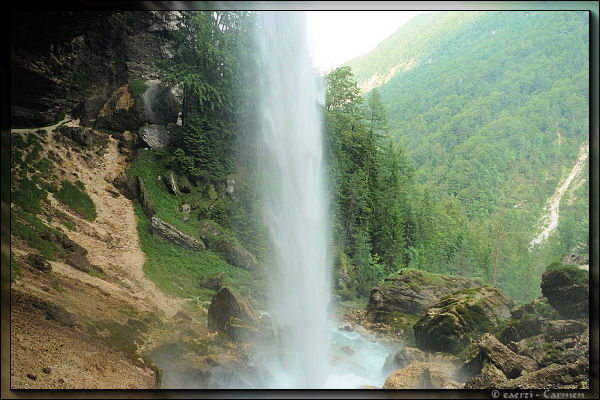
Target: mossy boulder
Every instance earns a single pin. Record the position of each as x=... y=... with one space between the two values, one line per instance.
x=455 y=321
x=172 y=234
x=144 y=197
x=413 y=292
x=567 y=289
x=217 y=239
x=137 y=103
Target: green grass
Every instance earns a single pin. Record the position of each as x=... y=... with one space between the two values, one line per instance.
x=77 y=199
x=29 y=196
x=138 y=86
x=179 y=271
x=49 y=250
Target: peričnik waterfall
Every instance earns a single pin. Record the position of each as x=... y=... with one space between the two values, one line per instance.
x=289 y=99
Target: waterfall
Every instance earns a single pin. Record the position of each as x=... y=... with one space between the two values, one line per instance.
x=289 y=102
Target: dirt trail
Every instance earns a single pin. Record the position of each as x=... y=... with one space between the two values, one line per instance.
x=550 y=221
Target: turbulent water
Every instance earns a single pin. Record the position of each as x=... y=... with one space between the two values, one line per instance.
x=295 y=207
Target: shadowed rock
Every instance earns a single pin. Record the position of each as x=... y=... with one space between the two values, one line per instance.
x=226 y=305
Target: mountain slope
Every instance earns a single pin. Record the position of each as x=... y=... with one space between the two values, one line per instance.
x=494 y=109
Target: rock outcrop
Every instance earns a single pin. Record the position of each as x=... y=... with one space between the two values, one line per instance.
x=459 y=319
x=125 y=184
x=70 y=62
x=567 y=289
x=224 y=306
x=169 y=232
x=154 y=136
x=413 y=292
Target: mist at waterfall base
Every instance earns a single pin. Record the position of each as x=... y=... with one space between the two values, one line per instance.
x=289 y=99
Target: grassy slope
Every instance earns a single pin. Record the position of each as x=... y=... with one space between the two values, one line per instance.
x=178 y=271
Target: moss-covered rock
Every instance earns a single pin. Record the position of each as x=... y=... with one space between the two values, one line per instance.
x=217 y=239
x=457 y=320
x=224 y=306
x=567 y=289
x=413 y=292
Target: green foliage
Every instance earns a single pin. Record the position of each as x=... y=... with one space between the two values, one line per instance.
x=75 y=197
x=571 y=273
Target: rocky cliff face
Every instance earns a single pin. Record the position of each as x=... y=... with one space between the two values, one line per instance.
x=70 y=62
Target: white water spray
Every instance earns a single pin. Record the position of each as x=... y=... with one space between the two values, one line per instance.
x=295 y=206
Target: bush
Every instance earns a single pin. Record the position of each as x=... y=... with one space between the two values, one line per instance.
x=77 y=199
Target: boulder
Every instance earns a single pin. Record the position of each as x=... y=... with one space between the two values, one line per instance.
x=403 y=357
x=142 y=194
x=225 y=305
x=556 y=330
x=80 y=262
x=39 y=262
x=490 y=377
x=554 y=376
x=125 y=185
x=169 y=232
x=185 y=208
x=423 y=375
x=510 y=363
x=218 y=240
x=154 y=136
x=160 y=104
x=171 y=183
x=413 y=292
x=457 y=320
x=132 y=106
x=213 y=282
x=567 y=289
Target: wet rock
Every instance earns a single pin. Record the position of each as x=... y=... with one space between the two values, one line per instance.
x=169 y=232
x=510 y=363
x=142 y=194
x=154 y=136
x=413 y=292
x=567 y=290
x=348 y=350
x=39 y=262
x=125 y=184
x=423 y=375
x=403 y=357
x=225 y=305
x=457 y=320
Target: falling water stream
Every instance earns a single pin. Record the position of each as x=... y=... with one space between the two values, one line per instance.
x=290 y=100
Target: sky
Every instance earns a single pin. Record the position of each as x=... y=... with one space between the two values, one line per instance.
x=336 y=37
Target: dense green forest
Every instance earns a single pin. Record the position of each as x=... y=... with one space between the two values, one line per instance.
x=494 y=109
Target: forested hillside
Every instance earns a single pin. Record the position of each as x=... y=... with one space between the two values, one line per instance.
x=490 y=109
